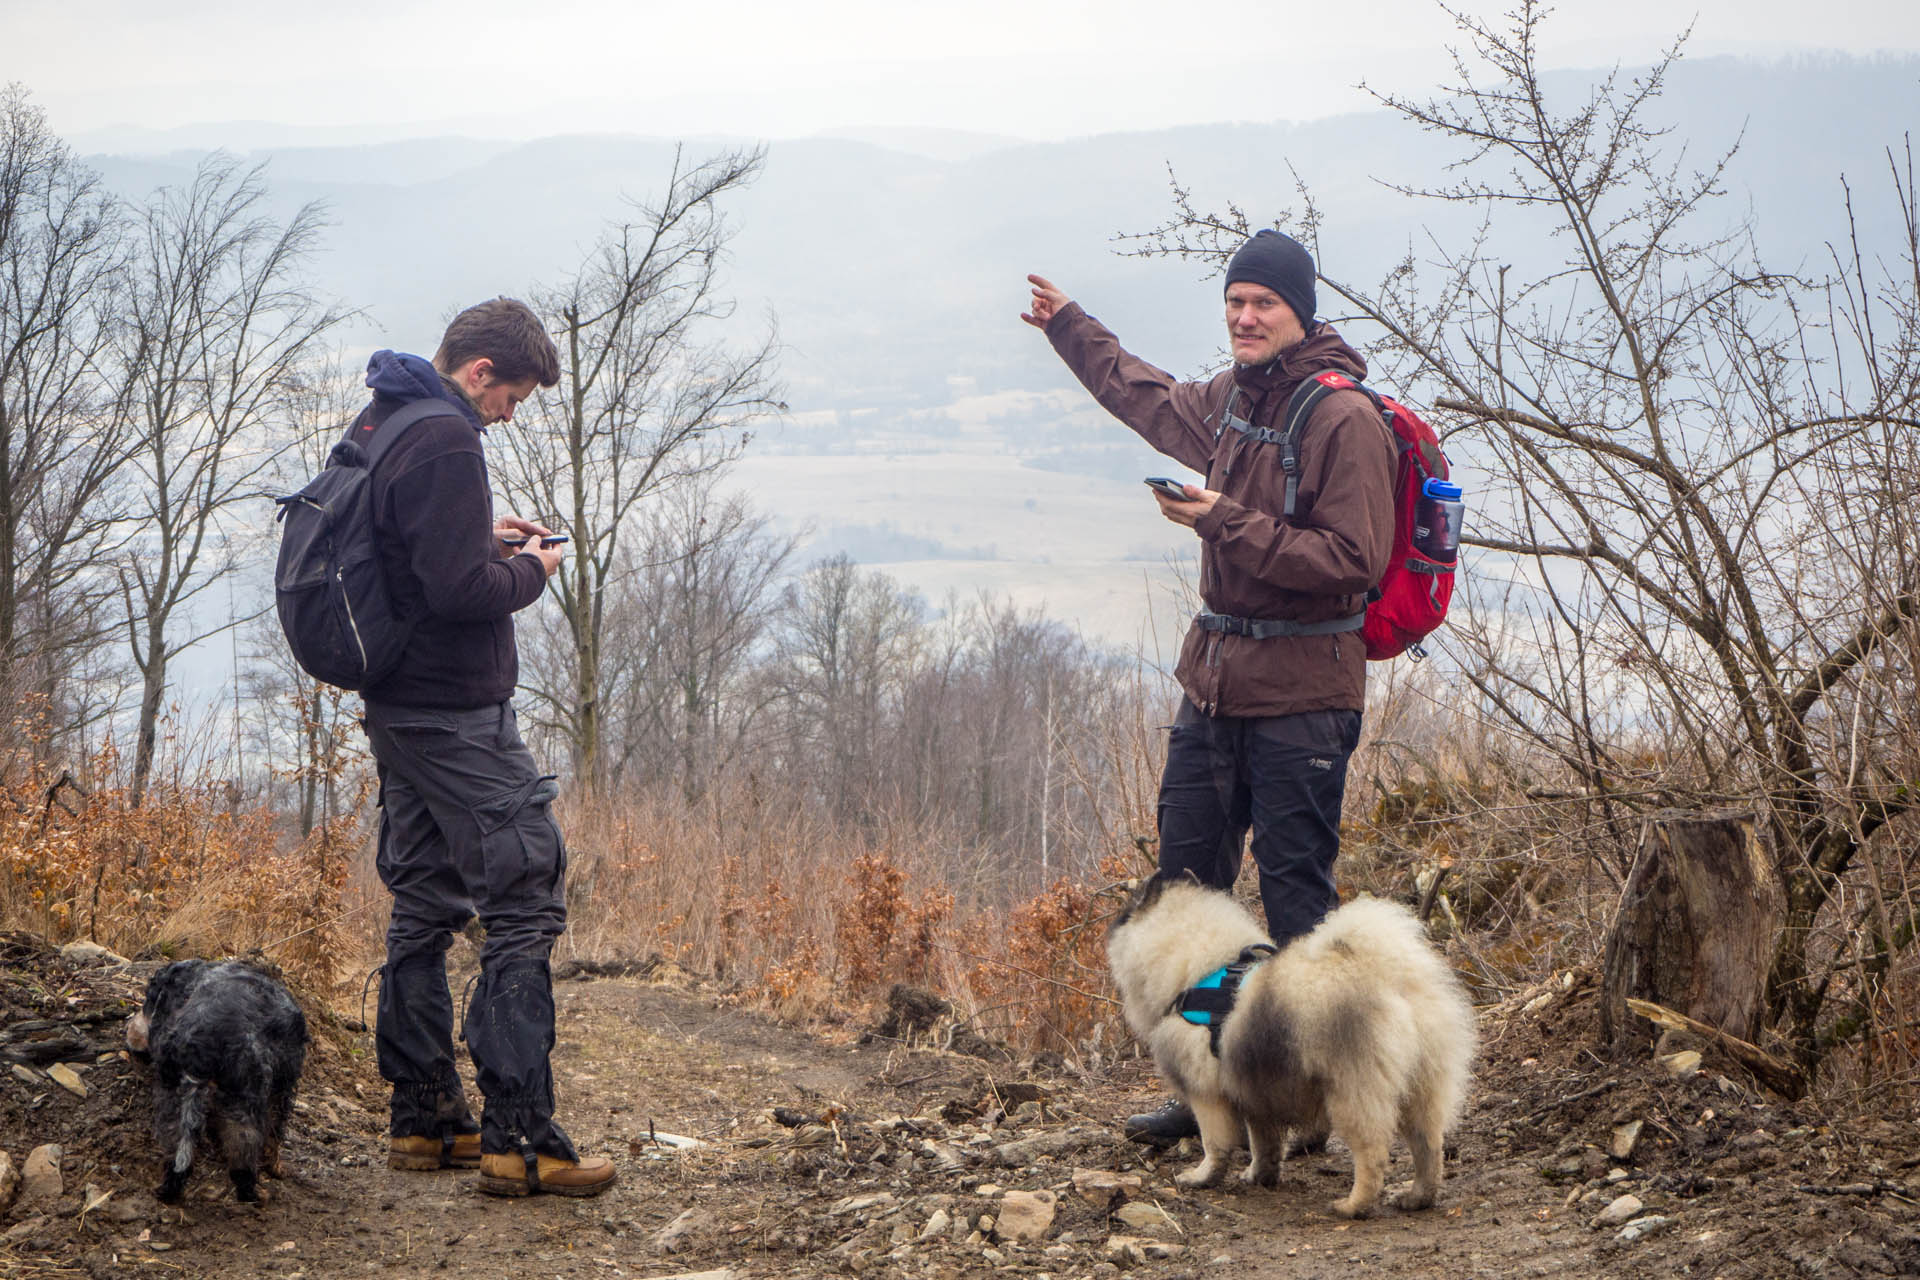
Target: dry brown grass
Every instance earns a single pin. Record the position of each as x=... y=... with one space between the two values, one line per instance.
x=185 y=872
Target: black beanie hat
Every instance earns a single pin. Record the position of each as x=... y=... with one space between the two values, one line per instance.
x=1280 y=263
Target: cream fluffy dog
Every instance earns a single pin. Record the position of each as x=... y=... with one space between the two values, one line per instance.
x=1358 y=1027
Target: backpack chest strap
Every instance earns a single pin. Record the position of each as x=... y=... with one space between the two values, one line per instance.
x=1208 y=1002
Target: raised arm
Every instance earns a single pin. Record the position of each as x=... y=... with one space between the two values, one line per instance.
x=1167 y=413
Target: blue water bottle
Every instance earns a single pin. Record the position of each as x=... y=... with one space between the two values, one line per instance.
x=1436 y=521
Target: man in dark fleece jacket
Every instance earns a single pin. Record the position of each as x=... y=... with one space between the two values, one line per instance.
x=465 y=828
x=1273 y=669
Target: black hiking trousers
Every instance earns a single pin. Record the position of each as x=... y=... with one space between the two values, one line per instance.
x=1283 y=776
x=465 y=831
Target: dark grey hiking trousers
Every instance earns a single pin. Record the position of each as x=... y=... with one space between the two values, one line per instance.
x=465 y=831
x=1283 y=776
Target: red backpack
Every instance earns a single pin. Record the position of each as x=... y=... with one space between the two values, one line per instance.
x=1411 y=600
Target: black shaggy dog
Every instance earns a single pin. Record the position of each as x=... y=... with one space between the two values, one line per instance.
x=227 y=1043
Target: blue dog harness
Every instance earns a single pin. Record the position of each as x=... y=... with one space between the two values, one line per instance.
x=1208 y=1002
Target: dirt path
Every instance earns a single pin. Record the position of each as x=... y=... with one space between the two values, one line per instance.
x=918 y=1145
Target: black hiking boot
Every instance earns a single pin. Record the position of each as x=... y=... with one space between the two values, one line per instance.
x=1163 y=1126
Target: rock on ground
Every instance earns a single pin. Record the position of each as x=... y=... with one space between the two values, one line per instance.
x=40 y=1177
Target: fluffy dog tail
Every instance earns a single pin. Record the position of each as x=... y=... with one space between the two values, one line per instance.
x=195 y=1096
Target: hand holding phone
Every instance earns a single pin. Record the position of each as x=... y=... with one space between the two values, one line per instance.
x=1170 y=488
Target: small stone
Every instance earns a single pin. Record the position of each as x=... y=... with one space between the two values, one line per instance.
x=285 y=1246
x=1625 y=1138
x=987 y=1189
x=90 y=953
x=1751 y=1141
x=1041 y=1146
x=1161 y=1249
x=937 y=1225
x=945 y=1156
x=1684 y=1065
x=22 y=1230
x=657 y=1144
x=1126 y=1250
x=40 y=1176
x=1641 y=1228
x=855 y=1204
x=159 y=1246
x=674 y=1236
x=993 y=1257
x=1147 y=1219
x=1617 y=1175
x=1621 y=1210
x=69 y=1079
x=1025 y=1215
x=27 y=1075
x=1101 y=1187
x=1538 y=1003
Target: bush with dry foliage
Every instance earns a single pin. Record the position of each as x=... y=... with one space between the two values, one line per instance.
x=183 y=871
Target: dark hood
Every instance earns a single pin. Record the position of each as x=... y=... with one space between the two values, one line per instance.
x=406 y=378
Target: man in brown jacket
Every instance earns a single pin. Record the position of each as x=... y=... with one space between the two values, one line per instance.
x=1273 y=670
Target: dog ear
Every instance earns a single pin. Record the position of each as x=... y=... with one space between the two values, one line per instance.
x=1144 y=895
x=169 y=987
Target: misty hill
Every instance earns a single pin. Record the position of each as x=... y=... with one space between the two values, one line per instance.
x=895 y=265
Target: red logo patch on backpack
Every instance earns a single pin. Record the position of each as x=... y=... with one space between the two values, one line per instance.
x=1411 y=601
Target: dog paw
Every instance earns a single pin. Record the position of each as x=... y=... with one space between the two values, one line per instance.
x=1204 y=1174
x=1413 y=1198
x=1256 y=1176
x=1348 y=1209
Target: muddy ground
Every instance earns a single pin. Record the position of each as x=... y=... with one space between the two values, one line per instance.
x=891 y=1158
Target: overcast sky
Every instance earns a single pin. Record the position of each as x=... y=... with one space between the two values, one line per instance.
x=776 y=68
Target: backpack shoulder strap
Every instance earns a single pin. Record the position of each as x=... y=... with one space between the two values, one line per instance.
x=1306 y=398
x=398 y=421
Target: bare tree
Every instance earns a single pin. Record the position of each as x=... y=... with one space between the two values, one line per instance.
x=219 y=321
x=61 y=439
x=847 y=645
x=1701 y=525
x=307 y=732
x=651 y=394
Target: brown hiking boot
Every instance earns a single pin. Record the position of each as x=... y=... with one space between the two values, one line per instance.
x=420 y=1153
x=508 y=1175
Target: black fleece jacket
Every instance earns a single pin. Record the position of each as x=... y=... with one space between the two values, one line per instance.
x=433 y=519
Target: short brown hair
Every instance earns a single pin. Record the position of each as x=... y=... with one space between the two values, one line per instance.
x=505 y=331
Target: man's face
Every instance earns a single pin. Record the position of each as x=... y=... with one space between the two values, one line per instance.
x=493 y=396
x=1260 y=324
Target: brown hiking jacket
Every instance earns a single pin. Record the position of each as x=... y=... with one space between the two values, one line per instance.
x=1254 y=563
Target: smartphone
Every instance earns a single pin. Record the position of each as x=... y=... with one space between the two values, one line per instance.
x=520 y=540
x=1172 y=488
x=553 y=539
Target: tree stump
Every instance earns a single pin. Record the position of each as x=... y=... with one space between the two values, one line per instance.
x=1695 y=928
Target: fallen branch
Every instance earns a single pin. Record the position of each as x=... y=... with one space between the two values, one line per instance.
x=1776 y=1073
x=1568 y=1101
x=1854 y=1189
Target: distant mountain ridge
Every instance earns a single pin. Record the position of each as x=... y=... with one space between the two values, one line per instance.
x=894 y=262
